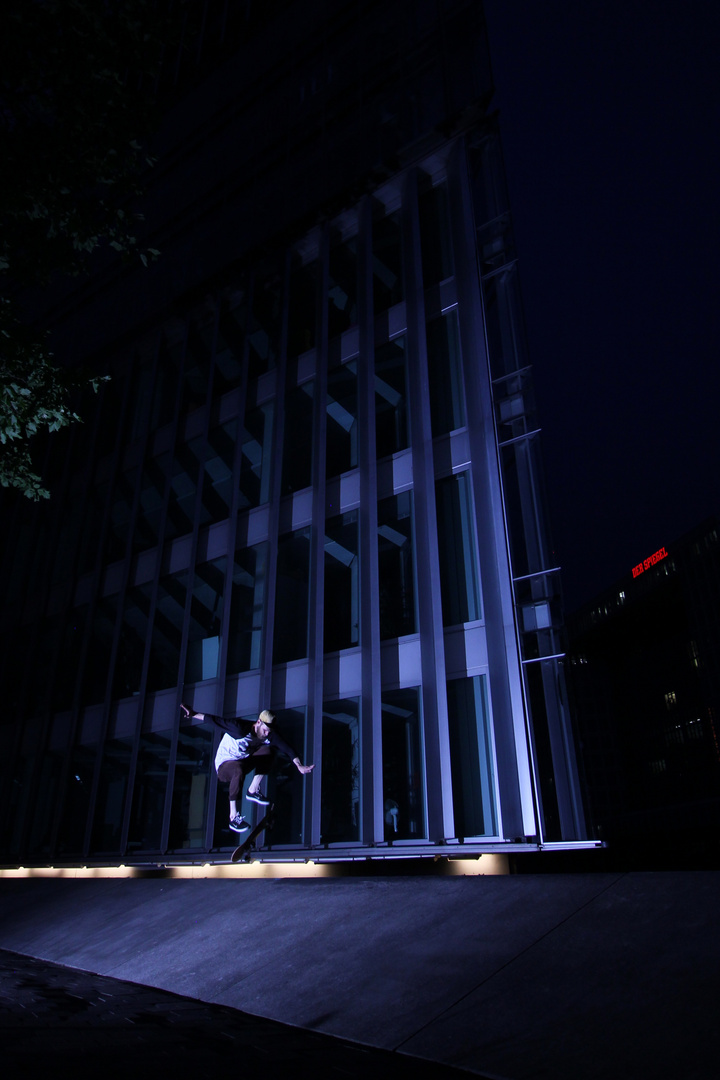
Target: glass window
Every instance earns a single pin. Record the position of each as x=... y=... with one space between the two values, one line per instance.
x=457 y=549
x=342 y=287
x=39 y=689
x=298 y=439
x=97 y=661
x=286 y=787
x=391 y=421
x=218 y=472
x=206 y=613
x=265 y=321
x=92 y=526
x=340 y=806
x=114 y=772
x=387 y=262
x=71 y=836
x=198 y=362
x=166 y=381
x=402 y=752
x=247 y=609
x=447 y=398
x=230 y=345
x=302 y=308
x=183 y=486
x=131 y=645
x=395 y=566
x=148 y=807
x=256 y=436
x=188 y=817
x=69 y=660
x=166 y=632
x=342 y=603
x=121 y=515
x=150 y=511
x=291 y=597
x=471 y=758
x=435 y=237
x=342 y=430
x=504 y=323
x=42 y=809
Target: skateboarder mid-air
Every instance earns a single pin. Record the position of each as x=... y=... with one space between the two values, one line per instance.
x=246 y=747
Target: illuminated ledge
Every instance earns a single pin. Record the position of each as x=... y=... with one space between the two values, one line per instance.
x=455 y=859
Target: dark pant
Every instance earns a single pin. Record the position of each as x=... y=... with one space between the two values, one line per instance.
x=234 y=772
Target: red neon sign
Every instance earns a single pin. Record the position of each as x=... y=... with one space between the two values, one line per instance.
x=650 y=561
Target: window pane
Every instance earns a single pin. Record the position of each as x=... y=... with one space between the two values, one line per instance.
x=97 y=661
x=206 y=612
x=403 y=789
x=471 y=758
x=152 y=493
x=342 y=605
x=435 y=235
x=198 y=361
x=167 y=632
x=190 y=787
x=255 y=463
x=69 y=661
x=120 y=515
x=131 y=647
x=218 y=472
x=148 y=807
x=457 y=548
x=230 y=344
x=107 y=826
x=286 y=787
x=340 y=813
x=183 y=485
x=302 y=308
x=342 y=287
x=391 y=423
x=342 y=431
x=387 y=262
x=247 y=609
x=298 y=439
x=77 y=800
x=395 y=565
x=447 y=399
x=291 y=600
x=265 y=321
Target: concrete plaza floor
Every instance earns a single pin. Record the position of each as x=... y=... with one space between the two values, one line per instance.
x=564 y=976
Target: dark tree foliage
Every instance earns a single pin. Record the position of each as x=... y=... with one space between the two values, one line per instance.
x=78 y=83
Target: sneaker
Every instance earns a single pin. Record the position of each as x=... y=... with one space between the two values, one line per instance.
x=239 y=824
x=258 y=797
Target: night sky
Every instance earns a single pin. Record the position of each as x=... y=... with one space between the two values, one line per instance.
x=609 y=119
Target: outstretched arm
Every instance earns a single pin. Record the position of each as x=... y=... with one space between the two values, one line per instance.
x=302 y=768
x=189 y=714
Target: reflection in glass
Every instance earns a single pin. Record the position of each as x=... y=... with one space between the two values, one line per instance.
x=447 y=399
x=183 y=485
x=148 y=806
x=230 y=344
x=471 y=758
x=342 y=287
x=342 y=431
x=342 y=603
x=396 y=566
x=301 y=309
x=387 y=262
x=285 y=786
x=340 y=812
x=198 y=361
x=206 y=612
x=247 y=609
x=149 y=516
x=298 y=439
x=188 y=816
x=391 y=422
x=167 y=632
x=110 y=804
x=456 y=549
x=403 y=788
x=291 y=597
x=255 y=462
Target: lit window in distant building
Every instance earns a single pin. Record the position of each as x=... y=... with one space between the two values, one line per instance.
x=694 y=654
x=670 y=699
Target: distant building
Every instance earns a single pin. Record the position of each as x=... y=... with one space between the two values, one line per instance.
x=644 y=659
x=313 y=482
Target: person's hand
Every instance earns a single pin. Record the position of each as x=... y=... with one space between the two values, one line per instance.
x=305 y=768
x=185 y=709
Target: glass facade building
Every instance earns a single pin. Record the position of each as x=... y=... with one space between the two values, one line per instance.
x=312 y=485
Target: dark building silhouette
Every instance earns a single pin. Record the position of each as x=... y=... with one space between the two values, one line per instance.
x=313 y=483
x=645 y=674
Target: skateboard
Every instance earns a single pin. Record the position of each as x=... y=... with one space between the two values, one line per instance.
x=266 y=822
